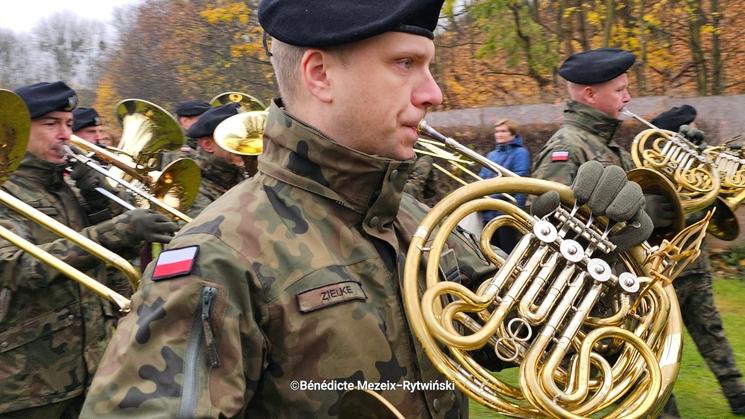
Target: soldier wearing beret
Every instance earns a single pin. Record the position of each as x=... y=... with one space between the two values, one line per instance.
x=87 y=125
x=293 y=278
x=188 y=112
x=696 y=295
x=52 y=330
x=598 y=90
x=221 y=170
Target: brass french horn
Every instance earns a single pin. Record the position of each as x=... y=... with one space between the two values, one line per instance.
x=586 y=337
x=14 y=136
x=730 y=162
x=689 y=171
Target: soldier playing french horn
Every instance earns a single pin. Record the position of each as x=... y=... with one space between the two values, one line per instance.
x=295 y=275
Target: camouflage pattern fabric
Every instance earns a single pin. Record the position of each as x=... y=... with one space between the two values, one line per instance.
x=52 y=331
x=586 y=134
x=217 y=177
x=297 y=278
x=422 y=182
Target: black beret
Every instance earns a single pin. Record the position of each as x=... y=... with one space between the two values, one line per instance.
x=597 y=65
x=208 y=121
x=42 y=98
x=336 y=22
x=83 y=118
x=674 y=117
x=192 y=108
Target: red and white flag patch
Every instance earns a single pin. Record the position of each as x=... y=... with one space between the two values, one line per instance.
x=560 y=156
x=175 y=262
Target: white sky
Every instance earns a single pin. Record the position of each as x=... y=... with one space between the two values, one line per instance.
x=22 y=15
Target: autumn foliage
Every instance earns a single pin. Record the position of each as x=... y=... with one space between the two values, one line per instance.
x=489 y=52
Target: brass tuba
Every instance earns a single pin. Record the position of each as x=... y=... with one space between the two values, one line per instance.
x=248 y=103
x=147 y=130
x=14 y=135
x=585 y=336
x=729 y=160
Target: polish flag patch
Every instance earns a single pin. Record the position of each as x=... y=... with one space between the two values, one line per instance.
x=175 y=262
x=560 y=156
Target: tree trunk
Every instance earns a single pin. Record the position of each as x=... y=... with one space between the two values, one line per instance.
x=610 y=17
x=717 y=69
x=641 y=78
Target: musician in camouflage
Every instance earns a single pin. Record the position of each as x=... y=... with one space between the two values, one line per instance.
x=694 y=288
x=288 y=288
x=221 y=170
x=52 y=330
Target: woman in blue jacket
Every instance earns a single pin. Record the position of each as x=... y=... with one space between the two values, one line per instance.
x=512 y=155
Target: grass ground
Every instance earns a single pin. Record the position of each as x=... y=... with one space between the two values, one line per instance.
x=697 y=392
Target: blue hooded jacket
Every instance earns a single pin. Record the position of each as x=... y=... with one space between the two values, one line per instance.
x=512 y=156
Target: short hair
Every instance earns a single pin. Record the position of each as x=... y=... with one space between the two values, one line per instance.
x=511 y=125
x=286 y=62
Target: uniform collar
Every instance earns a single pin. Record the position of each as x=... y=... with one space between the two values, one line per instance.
x=591 y=119
x=41 y=171
x=218 y=170
x=300 y=155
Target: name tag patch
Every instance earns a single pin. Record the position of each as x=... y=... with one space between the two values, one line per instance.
x=175 y=262
x=330 y=295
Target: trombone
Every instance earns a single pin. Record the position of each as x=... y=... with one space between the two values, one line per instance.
x=14 y=135
x=179 y=179
x=433 y=147
x=147 y=130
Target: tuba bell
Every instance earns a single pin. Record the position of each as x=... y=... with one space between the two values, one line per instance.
x=243 y=134
x=248 y=103
x=586 y=337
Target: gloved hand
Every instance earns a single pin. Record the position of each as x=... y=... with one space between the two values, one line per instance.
x=694 y=135
x=659 y=209
x=87 y=180
x=606 y=191
x=142 y=225
x=147 y=225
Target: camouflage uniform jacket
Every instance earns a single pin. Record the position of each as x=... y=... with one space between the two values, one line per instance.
x=217 y=177
x=587 y=134
x=52 y=331
x=297 y=278
x=422 y=183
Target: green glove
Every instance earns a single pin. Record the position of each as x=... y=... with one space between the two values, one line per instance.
x=694 y=135
x=606 y=191
x=128 y=230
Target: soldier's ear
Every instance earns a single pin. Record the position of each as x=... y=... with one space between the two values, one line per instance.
x=207 y=144
x=314 y=68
